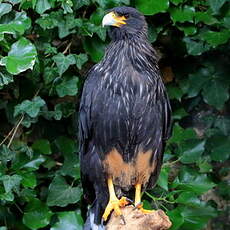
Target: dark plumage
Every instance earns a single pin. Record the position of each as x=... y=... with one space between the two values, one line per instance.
x=124 y=110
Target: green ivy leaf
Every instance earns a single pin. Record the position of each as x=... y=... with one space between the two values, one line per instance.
x=226 y=21
x=5 y=8
x=95 y=48
x=179 y=113
x=153 y=32
x=194 y=221
x=176 y=2
x=66 y=109
x=176 y=218
x=49 y=21
x=21 y=57
x=163 y=178
x=3 y=228
x=179 y=134
x=188 y=198
x=205 y=166
x=184 y=14
x=67 y=6
x=42 y=6
x=32 y=108
x=36 y=215
x=198 y=80
x=223 y=123
x=193 y=181
x=88 y=29
x=27 y=194
x=216 y=38
x=215 y=93
x=62 y=194
x=50 y=74
x=18 y=25
x=101 y=32
x=80 y=59
x=68 y=87
x=68 y=220
x=152 y=6
x=42 y=146
x=63 y=62
x=68 y=25
x=219 y=147
x=65 y=145
x=71 y=166
x=11 y=182
x=7 y=196
x=188 y=29
x=28 y=179
x=191 y=150
x=97 y=16
x=25 y=162
x=6 y=154
x=174 y=92
x=81 y=3
x=216 y=5
x=112 y=3
x=195 y=47
x=205 y=17
x=5 y=79
x=34 y=163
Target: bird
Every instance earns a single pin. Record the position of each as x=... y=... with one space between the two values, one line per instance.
x=124 y=120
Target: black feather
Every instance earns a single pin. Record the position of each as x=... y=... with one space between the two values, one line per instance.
x=124 y=106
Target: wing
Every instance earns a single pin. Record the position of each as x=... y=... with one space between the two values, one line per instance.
x=163 y=128
x=87 y=153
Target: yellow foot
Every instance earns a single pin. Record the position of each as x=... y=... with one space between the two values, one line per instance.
x=115 y=205
x=144 y=211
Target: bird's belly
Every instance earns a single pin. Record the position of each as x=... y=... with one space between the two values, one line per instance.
x=126 y=174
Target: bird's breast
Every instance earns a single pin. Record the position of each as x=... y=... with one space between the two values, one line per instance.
x=127 y=174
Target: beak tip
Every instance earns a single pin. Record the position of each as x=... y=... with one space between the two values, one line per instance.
x=108 y=20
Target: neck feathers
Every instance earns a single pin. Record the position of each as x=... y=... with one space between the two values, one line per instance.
x=135 y=51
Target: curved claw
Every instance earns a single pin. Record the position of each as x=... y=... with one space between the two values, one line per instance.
x=123 y=219
x=129 y=201
x=115 y=205
x=140 y=207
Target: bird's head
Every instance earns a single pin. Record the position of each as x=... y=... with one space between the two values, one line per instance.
x=125 y=22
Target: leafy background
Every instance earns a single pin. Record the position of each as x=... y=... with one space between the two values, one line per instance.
x=46 y=48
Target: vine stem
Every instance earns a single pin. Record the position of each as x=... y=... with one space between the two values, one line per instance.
x=67 y=48
x=15 y=130
x=158 y=199
x=8 y=135
x=171 y=163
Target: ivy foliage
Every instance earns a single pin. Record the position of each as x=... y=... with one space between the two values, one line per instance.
x=46 y=48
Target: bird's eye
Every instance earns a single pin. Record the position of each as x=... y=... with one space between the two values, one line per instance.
x=126 y=15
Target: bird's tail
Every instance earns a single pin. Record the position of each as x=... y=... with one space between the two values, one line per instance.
x=90 y=223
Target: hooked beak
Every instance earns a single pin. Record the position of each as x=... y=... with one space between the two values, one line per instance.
x=111 y=19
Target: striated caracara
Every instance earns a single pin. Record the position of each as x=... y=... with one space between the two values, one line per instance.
x=125 y=119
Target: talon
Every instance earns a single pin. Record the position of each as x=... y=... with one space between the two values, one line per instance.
x=138 y=203
x=145 y=211
x=123 y=220
x=129 y=201
x=138 y=206
x=124 y=201
x=115 y=205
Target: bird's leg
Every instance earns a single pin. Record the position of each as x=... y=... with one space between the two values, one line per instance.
x=138 y=203
x=114 y=202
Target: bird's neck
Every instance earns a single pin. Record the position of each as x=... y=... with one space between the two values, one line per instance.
x=136 y=51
